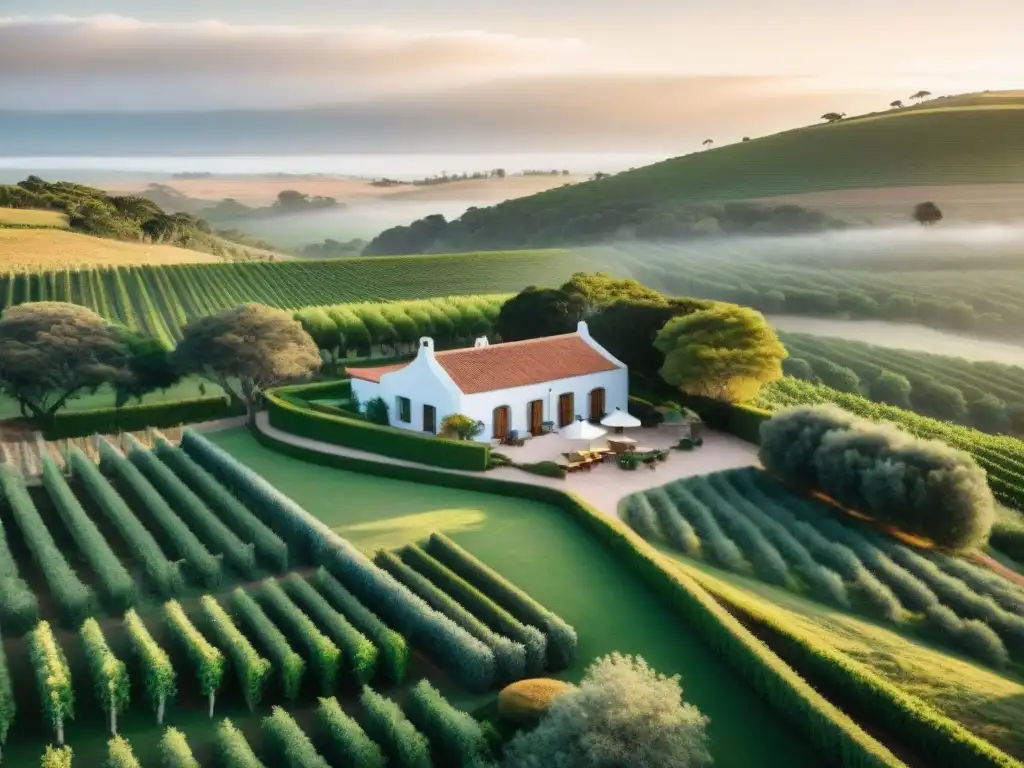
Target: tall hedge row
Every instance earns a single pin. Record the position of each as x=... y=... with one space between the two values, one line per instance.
x=193 y=511
x=53 y=678
x=291 y=665
x=359 y=654
x=19 y=608
x=75 y=600
x=518 y=650
x=160 y=679
x=8 y=707
x=113 y=579
x=251 y=668
x=120 y=754
x=349 y=744
x=233 y=750
x=457 y=734
x=164 y=574
x=324 y=655
x=288 y=744
x=269 y=546
x=561 y=636
x=182 y=539
x=388 y=726
x=207 y=658
x=922 y=487
x=109 y=673
x=134 y=418
x=394 y=651
x=175 y=751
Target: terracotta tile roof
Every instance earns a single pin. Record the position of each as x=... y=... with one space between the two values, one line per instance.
x=373 y=374
x=512 y=364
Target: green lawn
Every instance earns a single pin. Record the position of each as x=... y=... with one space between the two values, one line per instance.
x=558 y=562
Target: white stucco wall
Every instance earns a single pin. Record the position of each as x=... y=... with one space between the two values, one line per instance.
x=481 y=406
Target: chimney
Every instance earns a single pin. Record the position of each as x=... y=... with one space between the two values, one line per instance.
x=582 y=329
x=481 y=342
x=426 y=348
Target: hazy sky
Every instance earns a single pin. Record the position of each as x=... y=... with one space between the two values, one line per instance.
x=784 y=58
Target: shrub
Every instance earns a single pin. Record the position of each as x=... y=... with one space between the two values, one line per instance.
x=509 y=656
x=837 y=377
x=174 y=750
x=120 y=755
x=561 y=636
x=974 y=637
x=75 y=600
x=53 y=678
x=675 y=527
x=640 y=515
x=19 y=609
x=461 y=426
x=208 y=660
x=288 y=744
x=56 y=757
x=349 y=743
x=454 y=732
x=251 y=668
x=113 y=578
x=185 y=543
x=533 y=642
x=984 y=582
x=543 y=468
x=165 y=575
x=290 y=665
x=321 y=650
x=109 y=673
x=386 y=725
x=892 y=389
x=8 y=708
x=716 y=544
x=922 y=487
x=359 y=653
x=268 y=544
x=376 y=411
x=233 y=750
x=798 y=368
x=623 y=713
x=194 y=511
x=394 y=651
x=526 y=701
x=157 y=672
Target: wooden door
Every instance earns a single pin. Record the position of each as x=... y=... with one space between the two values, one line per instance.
x=566 y=410
x=430 y=419
x=501 y=422
x=535 y=416
x=597 y=404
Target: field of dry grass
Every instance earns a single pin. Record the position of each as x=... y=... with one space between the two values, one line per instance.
x=32 y=218
x=34 y=249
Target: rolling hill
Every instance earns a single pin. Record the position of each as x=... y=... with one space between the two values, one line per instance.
x=973 y=139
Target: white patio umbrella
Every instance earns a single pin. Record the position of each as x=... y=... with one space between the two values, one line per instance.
x=619 y=419
x=582 y=430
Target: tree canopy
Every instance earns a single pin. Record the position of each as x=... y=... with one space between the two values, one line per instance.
x=622 y=715
x=246 y=350
x=726 y=352
x=51 y=351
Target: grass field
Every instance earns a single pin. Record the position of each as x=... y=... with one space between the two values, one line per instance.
x=551 y=557
x=31 y=218
x=31 y=250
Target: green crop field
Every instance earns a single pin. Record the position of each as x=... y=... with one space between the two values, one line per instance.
x=160 y=300
x=544 y=552
x=852 y=582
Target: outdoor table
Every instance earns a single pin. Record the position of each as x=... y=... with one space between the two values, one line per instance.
x=620 y=444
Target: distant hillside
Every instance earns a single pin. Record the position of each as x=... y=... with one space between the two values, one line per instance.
x=966 y=139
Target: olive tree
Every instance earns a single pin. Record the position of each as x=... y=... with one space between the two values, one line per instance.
x=246 y=350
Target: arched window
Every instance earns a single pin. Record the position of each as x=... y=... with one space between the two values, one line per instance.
x=597 y=404
x=502 y=422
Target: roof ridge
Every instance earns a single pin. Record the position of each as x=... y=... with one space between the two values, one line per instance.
x=518 y=342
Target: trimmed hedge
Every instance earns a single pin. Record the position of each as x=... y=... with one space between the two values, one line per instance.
x=56 y=757
x=839 y=739
x=269 y=546
x=164 y=574
x=359 y=653
x=8 y=707
x=387 y=725
x=157 y=671
x=252 y=669
x=497 y=619
x=338 y=388
x=508 y=655
x=349 y=744
x=191 y=509
x=135 y=418
x=275 y=644
x=208 y=660
x=184 y=541
x=288 y=744
x=394 y=651
x=324 y=655
x=742 y=421
x=53 y=678
x=454 y=732
x=388 y=441
x=75 y=601
x=115 y=582
x=120 y=755
x=561 y=647
x=233 y=750
x=109 y=673
x=175 y=751
x=19 y=608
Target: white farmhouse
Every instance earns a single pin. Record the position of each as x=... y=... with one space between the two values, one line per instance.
x=517 y=386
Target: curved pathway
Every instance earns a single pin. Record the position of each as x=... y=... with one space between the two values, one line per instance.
x=602 y=487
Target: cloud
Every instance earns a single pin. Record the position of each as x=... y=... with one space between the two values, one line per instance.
x=115 y=61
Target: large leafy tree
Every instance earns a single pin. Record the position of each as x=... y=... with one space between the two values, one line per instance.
x=622 y=715
x=51 y=352
x=246 y=350
x=149 y=361
x=536 y=312
x=726 y=352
